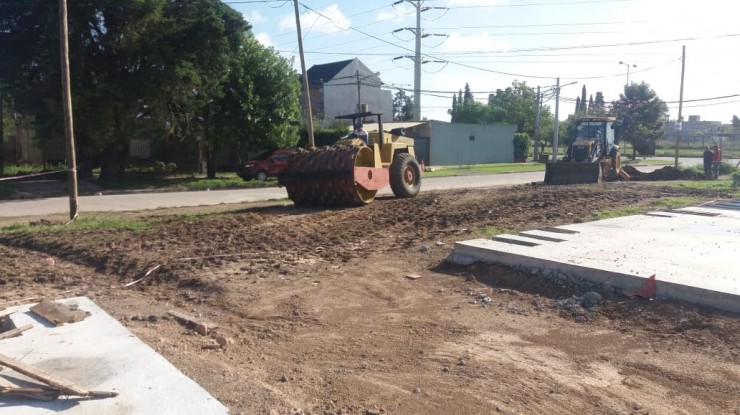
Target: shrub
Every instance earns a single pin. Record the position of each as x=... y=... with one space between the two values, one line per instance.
x=726 y=168
x=159 y=167
x=521 y=145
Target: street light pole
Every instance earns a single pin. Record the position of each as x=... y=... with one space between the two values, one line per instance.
x=628 y=70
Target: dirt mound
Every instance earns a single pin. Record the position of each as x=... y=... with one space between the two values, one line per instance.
x=664 y=173
x=325 y=319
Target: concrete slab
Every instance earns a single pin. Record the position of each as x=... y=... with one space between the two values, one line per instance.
x=693 y=252
x=100 y=354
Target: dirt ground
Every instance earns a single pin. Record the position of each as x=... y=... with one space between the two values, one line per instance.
x=321 y=318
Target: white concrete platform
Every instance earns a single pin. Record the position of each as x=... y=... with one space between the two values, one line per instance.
x=693 y=252
x=100 y=354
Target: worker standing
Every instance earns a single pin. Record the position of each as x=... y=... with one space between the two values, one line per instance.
x=708 y=155
x=716 y=160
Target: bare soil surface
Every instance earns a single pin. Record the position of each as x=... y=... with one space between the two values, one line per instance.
x=319 y=316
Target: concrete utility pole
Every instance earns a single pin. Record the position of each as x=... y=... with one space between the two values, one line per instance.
x=537 y=126
x=309 y=118
x=556 y=125
x=417 y=55
x=417 y=63
x=679 y=123
x=418 y=35
x=67 y=101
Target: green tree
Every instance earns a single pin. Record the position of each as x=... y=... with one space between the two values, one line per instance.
x=403 y=106
x=516 y=104
x=643 y=113
x=599 y=105
x=260 y=101
x=164 y=69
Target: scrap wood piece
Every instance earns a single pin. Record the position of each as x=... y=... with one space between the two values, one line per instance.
x=65 y=386
x=201 y=327
x=6 y=313
x=42 y=394
x=59 y=314
x=15 y=332
x=5 y=384
x=413 y=276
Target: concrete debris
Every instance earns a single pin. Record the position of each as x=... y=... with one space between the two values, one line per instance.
x=590 y=299
x=424 y=248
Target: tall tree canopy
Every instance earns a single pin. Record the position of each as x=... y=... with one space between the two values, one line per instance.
x=643 y=112
x=174 y=69
x=516 y=104
x=403 y=106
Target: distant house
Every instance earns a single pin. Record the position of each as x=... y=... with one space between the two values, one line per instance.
x=337 y=88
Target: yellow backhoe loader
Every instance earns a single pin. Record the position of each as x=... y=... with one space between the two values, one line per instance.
x=351 y=172
x=594 y=155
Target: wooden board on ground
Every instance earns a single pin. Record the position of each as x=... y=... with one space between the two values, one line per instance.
x=15 y=332
x=200 y=326
x=58 y=313
x=65 y=386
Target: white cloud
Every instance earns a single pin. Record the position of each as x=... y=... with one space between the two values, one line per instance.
x=453 y=3
x=254 y=17
x=329 y=20
x=479 y=43
x=264 y=39
x=385 y=15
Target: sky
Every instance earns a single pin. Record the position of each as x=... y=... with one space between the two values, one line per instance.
x=488 y=44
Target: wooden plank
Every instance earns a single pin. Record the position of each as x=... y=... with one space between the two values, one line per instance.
x=202 y=327
x=65 y=386
x=42 y=394
x=5 y=383
x=59 y=314
x=15 y=332
x=6 y=313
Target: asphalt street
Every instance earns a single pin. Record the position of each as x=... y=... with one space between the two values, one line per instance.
x=156 y=200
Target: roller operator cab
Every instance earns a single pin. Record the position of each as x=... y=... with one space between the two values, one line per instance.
x=594 y=155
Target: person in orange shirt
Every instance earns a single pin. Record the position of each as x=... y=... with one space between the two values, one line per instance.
x=716 y=160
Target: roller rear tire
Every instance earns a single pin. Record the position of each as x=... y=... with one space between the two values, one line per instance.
x=405 y=176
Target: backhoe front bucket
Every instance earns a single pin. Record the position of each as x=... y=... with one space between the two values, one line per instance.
x=572 y=173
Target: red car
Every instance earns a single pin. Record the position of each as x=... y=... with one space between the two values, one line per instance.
x=263 y=168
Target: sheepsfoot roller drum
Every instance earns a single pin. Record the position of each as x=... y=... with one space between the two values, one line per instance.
x=333 y=176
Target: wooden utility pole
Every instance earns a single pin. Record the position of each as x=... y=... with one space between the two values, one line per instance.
x=537 y=127
x=679 y=122
x=309 y=118
x=556 y=126
x=67 y=102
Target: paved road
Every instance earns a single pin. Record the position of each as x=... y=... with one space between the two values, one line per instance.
x=144 y=201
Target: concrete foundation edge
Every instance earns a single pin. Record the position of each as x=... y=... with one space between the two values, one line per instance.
x=465 y=254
